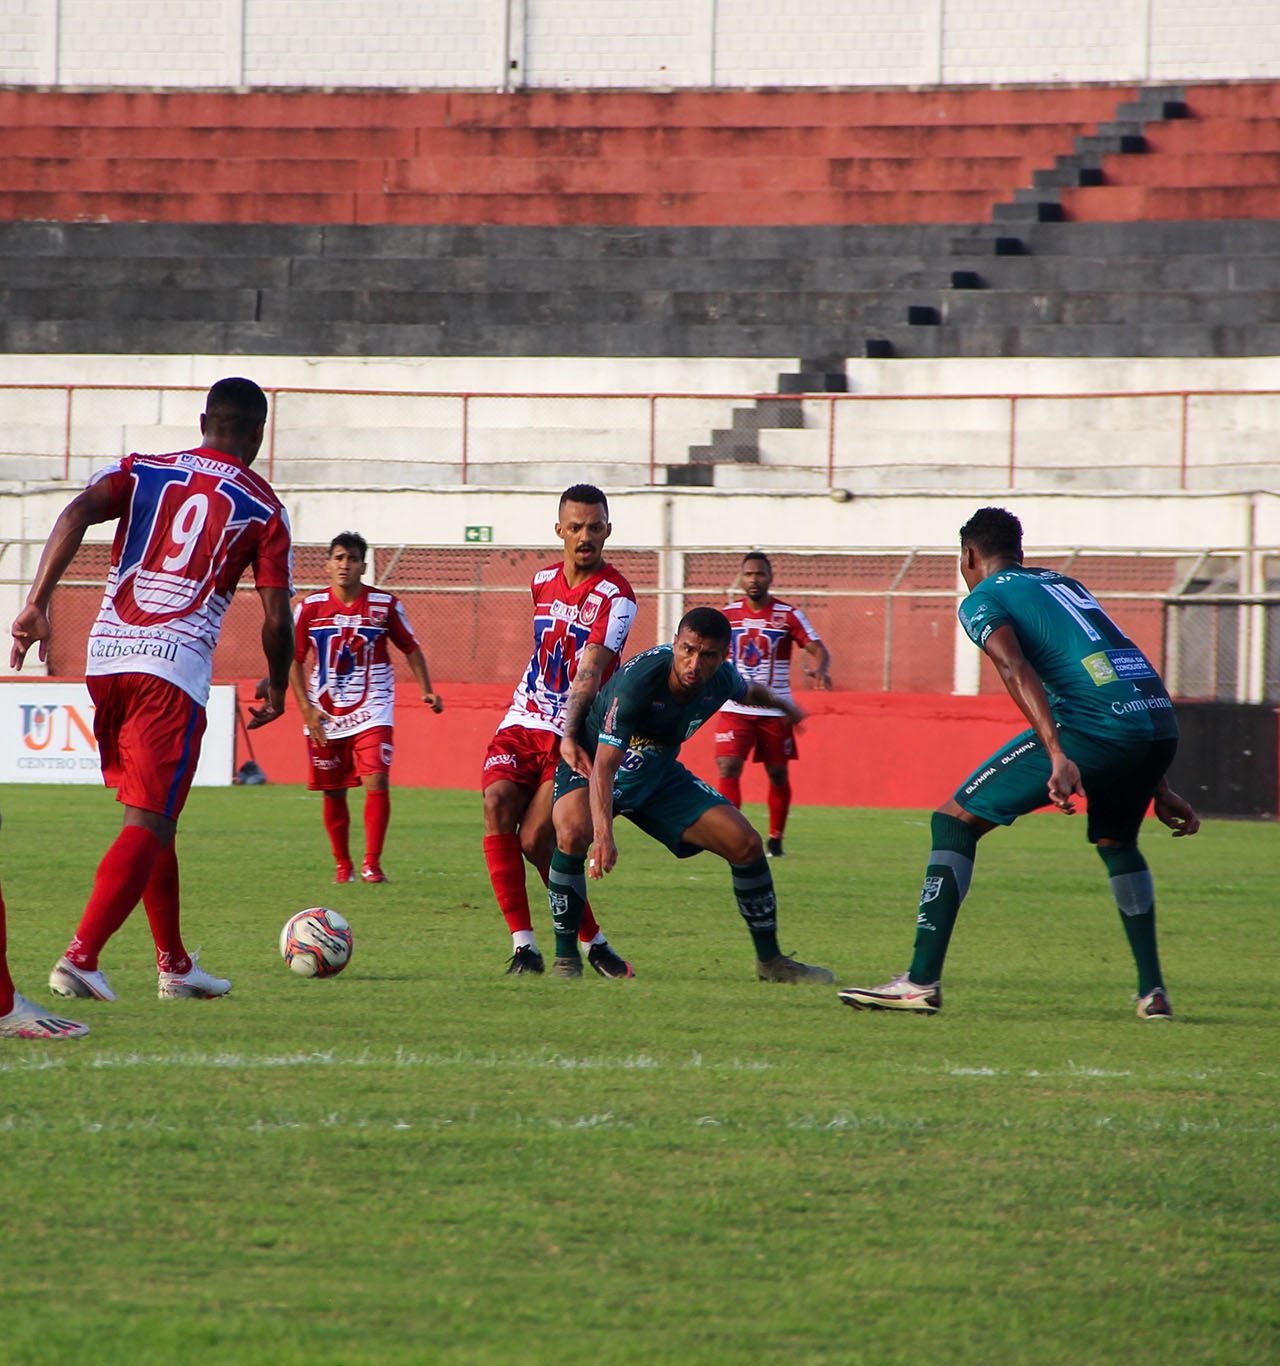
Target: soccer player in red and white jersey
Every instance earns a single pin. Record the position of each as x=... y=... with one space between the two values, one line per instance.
x=188 y=525
x=582 y=611
x=348 y=699
x=765 y=629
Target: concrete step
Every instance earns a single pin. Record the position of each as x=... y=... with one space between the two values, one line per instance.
x=1194 y=169
x=1106 y=339
x=1209 y=308
x=1213 y=134
x=459 y=241
x=729 y=208
x=1213 y=237
x=1130 y=203
x=145 y=272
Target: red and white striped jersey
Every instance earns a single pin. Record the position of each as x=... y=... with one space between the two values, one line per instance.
x=190 y=524
x=565 y=621
x=352 y=680
x=763 y=638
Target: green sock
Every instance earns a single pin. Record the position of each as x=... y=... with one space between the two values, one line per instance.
x=1135 y=896
x=946 y=883
x=567 y=895
x=753 y=890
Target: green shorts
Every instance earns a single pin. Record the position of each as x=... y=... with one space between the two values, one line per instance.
x=664 y=800
x=1119 y=777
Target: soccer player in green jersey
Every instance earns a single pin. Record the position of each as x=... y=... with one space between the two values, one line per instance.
x=1102 y=727
x=621 y=756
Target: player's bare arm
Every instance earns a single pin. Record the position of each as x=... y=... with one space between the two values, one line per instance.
x=312 y=716
x=417 y=663
x=604 y=852
x=1023 y=684
x=277 y=645
x=31 y=625
x=1174 y=811
x=759 y=695
x=595 y=662
x=819 y=669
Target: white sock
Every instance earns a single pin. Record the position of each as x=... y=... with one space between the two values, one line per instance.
x=523 y=939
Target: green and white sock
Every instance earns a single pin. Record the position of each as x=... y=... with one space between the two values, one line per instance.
x=758 y=905
x=567 y=895
x=1135 y=897
x=946 y=884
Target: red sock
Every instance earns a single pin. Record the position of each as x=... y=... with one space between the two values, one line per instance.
x=588 y=927
x=122 y=875
x=731 y=788
x=779 y=805
x=377 y=816
x=506 y=873
x=337 y=821
x=161 y=900
x=6 y=982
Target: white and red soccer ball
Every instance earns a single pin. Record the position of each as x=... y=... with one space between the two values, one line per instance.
x=316 y=942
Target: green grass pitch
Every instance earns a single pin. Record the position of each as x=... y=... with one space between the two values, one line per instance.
x=424 y=1160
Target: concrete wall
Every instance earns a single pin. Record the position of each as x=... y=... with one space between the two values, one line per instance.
x=972 y=427
x=506 y=44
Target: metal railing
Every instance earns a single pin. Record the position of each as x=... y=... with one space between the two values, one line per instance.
x=1171 y=439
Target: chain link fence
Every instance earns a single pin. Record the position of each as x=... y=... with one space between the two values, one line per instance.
x=888 y=617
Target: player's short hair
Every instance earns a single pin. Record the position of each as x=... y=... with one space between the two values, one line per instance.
x=759 y=555
x=993 y=531
x=236 y=404
x=584 y=493
x=707 y=622
x=352 y=542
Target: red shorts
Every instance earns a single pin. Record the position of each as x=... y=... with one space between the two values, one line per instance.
x=342 y=763
x=766 y=739
x=522 y=756
x=149 y=733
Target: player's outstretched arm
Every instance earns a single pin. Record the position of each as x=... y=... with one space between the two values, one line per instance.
x=1174 y=811
x=604 y=852
x=758 y=695
x=417 y=663
x=277 y=645
x=819 y=671
x=1023 y=684
x=96 y=504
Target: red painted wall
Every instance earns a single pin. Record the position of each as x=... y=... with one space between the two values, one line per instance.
x=857 y=749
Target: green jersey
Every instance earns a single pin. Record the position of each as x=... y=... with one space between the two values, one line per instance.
x=637 y=711
x=1097 y=679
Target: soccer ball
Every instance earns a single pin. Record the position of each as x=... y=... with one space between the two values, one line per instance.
x=316 y=942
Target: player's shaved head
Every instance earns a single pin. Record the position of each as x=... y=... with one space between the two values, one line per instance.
x=994 y=533
x=758 y=555
x=707 y=622
x=587 y=494
x=236 y=406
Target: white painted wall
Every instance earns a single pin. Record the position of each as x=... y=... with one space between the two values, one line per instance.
x=504 y=44
x=965 y=426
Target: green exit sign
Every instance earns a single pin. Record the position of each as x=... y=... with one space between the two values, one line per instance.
x=478 y=535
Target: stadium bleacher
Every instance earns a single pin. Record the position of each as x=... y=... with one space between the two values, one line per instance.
x=541 y=226
x=816 y=223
